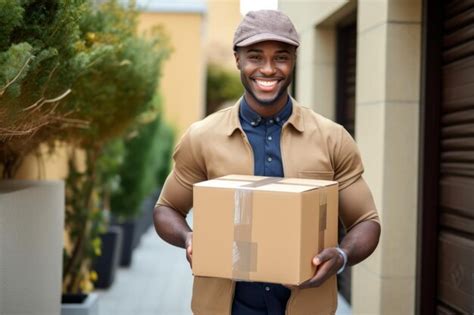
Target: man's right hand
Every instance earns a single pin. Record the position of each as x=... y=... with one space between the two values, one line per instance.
x=189 y=248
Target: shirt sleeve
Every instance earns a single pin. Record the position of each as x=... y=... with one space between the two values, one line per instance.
x=348 y=167
x=356 y=204
x=188 y=169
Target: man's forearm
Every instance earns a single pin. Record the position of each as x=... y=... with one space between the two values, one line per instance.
x=361 y=241
x=171 y=226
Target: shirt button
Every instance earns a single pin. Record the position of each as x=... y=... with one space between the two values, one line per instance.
x=267 y=289
x=269 y=138
x=277 y=119
x=253 y=123
x=271 y=121
x=269 y=159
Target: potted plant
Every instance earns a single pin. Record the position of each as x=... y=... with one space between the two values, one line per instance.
x=38 y=63
x=107 y=263
x=112 y=94
x=137 y=182
x=162 y=154
x=75 y=73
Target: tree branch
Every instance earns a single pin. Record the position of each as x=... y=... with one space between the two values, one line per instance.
x=16 y=77
x=43 y=101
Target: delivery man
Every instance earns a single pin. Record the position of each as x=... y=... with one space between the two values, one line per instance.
x=268 y=133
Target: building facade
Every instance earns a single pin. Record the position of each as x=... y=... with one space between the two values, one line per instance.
x=399 y=75
x=182 y=84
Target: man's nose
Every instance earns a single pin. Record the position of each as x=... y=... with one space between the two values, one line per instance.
x=268 y=68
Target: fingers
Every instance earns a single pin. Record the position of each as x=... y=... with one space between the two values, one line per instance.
x=327 y=263
x=324 y=256
x=189 y=249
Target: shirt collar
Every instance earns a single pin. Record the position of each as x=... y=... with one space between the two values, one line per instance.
x=295 y=119
x=254 y=119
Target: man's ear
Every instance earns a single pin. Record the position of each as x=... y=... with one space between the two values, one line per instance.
x=237 y=59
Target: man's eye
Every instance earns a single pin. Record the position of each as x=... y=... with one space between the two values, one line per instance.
x=254 y=57
x=281 y=58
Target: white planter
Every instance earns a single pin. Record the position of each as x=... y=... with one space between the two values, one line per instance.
x=89 y=307
x=31 y=246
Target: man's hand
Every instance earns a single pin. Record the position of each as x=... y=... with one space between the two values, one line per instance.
x=189 y=248
x=327 y=264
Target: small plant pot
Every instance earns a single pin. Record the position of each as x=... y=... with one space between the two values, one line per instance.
x=80 y=304
x=106 y=264
x=128 y=229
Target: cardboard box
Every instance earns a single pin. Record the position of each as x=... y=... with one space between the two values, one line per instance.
x=262 y=228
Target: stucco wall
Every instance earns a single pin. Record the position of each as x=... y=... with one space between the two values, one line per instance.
x=221 y=21
x=182 y=83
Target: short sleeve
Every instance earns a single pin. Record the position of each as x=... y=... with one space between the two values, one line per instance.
x=188 y=169
x=348 y=166
x=356 y=204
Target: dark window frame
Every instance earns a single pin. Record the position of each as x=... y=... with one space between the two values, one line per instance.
x=428 y=189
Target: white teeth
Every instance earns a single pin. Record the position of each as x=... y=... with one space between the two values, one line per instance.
x=266 y=83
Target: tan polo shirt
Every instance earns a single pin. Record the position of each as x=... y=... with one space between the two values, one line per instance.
x=311 y=147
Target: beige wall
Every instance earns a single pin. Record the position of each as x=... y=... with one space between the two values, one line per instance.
x=222 y=19
x=45 y=164
x=387 y=122
x=183 y=81
x=388 y=84
x=317 y=55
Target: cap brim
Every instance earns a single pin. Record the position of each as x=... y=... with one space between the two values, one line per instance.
x=265 y=37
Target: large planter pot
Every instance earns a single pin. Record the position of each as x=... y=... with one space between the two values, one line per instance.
x=31 y=246
x=107 y=263
x=129 y=237
x=80 y=304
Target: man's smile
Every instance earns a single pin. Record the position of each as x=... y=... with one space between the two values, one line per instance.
x=266 y=85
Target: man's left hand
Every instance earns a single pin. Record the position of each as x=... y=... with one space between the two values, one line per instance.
x=327 y=264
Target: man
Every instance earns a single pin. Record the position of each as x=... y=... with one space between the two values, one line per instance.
x=268 y=133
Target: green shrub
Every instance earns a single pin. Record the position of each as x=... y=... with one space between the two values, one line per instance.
x=116 y=87
x=136 y=177
x=146 y=161
x=164 y=152
x=39 y=62
x=222 y=86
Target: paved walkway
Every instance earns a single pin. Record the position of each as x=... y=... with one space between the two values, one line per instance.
x=159 y=282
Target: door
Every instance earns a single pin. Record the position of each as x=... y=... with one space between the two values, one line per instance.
x=448 y=218
x=345 y=107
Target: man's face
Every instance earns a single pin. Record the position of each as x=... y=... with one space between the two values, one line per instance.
x=266 y=71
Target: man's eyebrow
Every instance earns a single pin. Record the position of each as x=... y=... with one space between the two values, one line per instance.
x=280 y=51
x=254 y=50
x=283 y=51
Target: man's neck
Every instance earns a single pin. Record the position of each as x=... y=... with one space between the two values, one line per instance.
x=267 y=110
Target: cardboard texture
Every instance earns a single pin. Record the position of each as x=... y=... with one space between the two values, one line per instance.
x=264 y=229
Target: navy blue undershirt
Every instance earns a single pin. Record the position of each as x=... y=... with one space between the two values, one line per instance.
x=258 y=298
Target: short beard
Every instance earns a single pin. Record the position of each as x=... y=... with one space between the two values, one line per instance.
x=267 y=102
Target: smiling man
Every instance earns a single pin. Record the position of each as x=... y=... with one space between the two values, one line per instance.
x=268 y=133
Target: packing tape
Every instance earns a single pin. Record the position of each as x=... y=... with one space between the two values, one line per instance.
x=322 y=218
x=244 y=251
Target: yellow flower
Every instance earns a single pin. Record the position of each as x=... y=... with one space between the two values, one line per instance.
x=93 y=276
x=86 y=286
x=90 y=37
